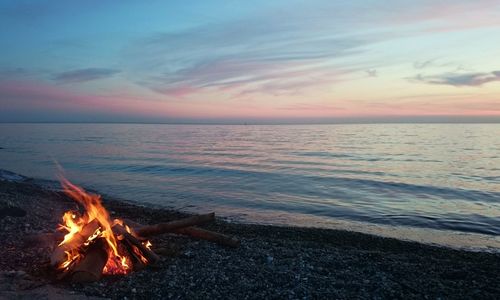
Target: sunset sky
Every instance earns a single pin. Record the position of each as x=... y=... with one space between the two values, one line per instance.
x=249 y=61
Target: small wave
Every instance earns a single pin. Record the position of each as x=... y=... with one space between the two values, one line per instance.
x=296 y=182
x=322 y=154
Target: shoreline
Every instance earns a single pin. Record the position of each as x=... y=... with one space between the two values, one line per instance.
x=458 y=240
x=272 y=261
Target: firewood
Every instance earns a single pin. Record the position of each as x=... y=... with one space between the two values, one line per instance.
x=204 y=234
x=78 y=240
x=146 y=252
x=196 y=233
x=137 y=262
x=161 y=228
x=90 y=268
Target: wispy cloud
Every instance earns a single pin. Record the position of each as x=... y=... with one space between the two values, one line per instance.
x=371 y=72
x=438 y=63
x=82 y=75
x=12 y=73
x=42 y=98
x=292 y=48
x=250 y=57
x=454 y=79
x=313 y=107
x=424 y=64
x=282 y=49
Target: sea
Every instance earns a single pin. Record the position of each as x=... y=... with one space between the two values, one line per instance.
x=432 y=183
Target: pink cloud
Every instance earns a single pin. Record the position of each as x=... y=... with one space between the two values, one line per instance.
x=29 y=96
x=38 y=97
x=178 y=91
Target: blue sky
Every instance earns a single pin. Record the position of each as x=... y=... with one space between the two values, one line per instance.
x=240 y=61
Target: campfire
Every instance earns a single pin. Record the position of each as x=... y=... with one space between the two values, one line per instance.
x=90 y=244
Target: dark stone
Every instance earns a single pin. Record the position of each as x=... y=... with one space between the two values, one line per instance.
x=12 y=212
x=455 y=275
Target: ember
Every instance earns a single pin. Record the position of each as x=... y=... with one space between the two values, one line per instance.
x=94 y=245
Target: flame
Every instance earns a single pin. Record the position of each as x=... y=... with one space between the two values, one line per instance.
x=73 y=224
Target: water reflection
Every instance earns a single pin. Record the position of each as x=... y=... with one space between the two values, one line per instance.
x=428 y=176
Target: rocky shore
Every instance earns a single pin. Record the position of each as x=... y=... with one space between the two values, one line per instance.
x=272 y=262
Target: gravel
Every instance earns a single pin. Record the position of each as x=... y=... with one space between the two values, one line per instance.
x=272 y=262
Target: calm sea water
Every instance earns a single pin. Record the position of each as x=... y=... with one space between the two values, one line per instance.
x=422 y=178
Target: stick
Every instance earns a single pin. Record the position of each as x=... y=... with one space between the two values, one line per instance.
x=215 y=237
x=196 y=233
x=137 y=263
x=171 y=226
x=147 y=253
x=59 y=254
x=90 y=268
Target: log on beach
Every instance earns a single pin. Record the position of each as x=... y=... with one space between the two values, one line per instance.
x=150 y=230
x=208 y=235
x=194 y=232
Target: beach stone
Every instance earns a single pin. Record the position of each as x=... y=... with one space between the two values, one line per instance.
x=7 y=209
x=269 y=259
x=272 y=263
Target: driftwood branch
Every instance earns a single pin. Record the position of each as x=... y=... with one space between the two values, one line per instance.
x=195 y=232
x=208 y=235
x=161 y=228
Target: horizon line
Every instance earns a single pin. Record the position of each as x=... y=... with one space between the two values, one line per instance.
x=262 y=123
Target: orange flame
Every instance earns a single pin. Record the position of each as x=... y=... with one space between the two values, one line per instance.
x=73 y=224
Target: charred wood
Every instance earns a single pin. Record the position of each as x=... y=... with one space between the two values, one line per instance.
x=150 y=256
x=59 y=255
x=90 y=267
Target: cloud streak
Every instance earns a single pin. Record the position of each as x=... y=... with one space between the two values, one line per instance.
x=28 y=96
x=252 y=56
x=459 y=80
x=83 y=75
x=259 y=52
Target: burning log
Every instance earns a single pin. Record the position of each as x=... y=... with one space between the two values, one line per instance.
x=94 y=245
x=150 y=256
x=138 y=261
x=77 y=241
x=161 y=228
x=90 y=267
